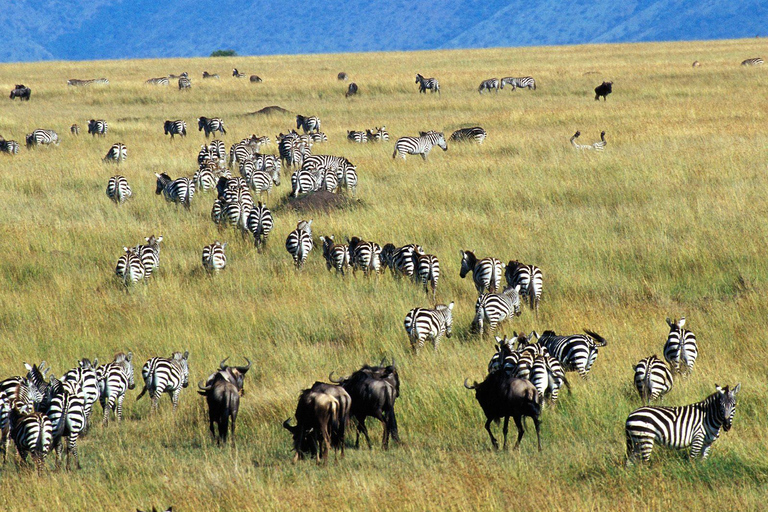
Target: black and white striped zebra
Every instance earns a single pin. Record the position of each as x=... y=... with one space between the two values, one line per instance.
x=494 y=308
x=426 y=84
x=183 y=75
x=177 y=127
x=180 y=190
x=215 y=257
x=32 y=433
x=204 y=156
x=185 y=83
x=84 y=376
x=377 y=134
x=115 y=379
x=15 y=390
x=118 y=189
x=531 y=280
x=329 y=181
x=681 y=349
x=355 y=136
x=299 y=242
x=429 y=324
x=82 y=83
x=218 y=149
x=364 y=256
x=486 y=273
x=421 y=145
x=489 y=85
x=117 y=153
x=44 y=137
x=653 y=379
x=262 y=181
x=67 y=413
x=304 y=182
x=475 y=134
x=577 y=352
x=260 y=224
x=237 y=204
x=336 y=255
x=266 y=163
x=426 y=271
x=696 y=425
x=130 y=268
x=400 y=260
x=523 y=82
x=163 y=80
x=318 y=137
x=757 y=61
x=150 y=254
x=165 y=375
x=237 y=74
x=210 y=125
x=324 y=162
x=9 y=146
x=308 y=123
x=205 y=178
x=98 y=127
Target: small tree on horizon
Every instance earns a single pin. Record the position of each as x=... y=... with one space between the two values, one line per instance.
x=224 y=53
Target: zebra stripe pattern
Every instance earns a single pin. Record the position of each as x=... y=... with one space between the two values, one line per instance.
x=185 y=83
x=489 y=85
x=426 y=271
x=681 y=349
x=696 y=425
x=377 y=134
x=218 y=149
x=421 y=145
x=260 y=224
x=523 y=82
x=261 y=181
x=423 y=324
x=304 y=182
x=67 y=413
x=98 y=127
x=118 y=189
x=494 y=308
x=86 y=378
x=299 y=242
x=32 y=433
x=530 y=278
x=308 y=123
x=426 y=84
x=359 y=137
x=22 y=392
x=115 y=379
x=401 y=260
x=486 y=273
x=117 y=153
x=180 y=190
x=653 y=379
x=150 y=254
x=130 y=268
x=9 y=146
x=336 y=255
x=364 y=256
x=165 y=375
x=757 y=61
x=214 y=257
x=163 y=80
x=210 y=125
x=45 y=137
x=475 y=134
x=575 y=353
x=205 y=178
x=177 y=127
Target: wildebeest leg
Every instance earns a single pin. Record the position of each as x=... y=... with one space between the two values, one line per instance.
x=234 y=417
x=385 y=436
x=536 y=422
x=211 y=423
x=506 y=429
x=493 y=439
x=362 y=428
x=224 y=427
x=520 y=431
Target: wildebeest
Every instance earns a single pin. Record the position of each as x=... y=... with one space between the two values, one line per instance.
x=22 y=92
x=222 y=391
x=255 y=78
x=342 y=76
x=373 y=390
x=351 y=90
x=502 y=396
x=321 y=418
x=603 y=90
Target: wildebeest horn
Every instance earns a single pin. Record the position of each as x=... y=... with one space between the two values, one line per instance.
x=221 y=364
x=330 y=378
x=287 y=425
x=394 y=365
x=204 y=388
x=467 y=386
x=243 y=369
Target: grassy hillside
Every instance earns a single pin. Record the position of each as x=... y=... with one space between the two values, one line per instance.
x=668 y=221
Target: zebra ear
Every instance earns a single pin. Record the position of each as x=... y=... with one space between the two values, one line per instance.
x=157 y=175
x=29 y=368
x=129 y=357
x=719 y=389
x=681 y=323
x=450 y=306
x=670 y=323
x=186 y=354
x=95 y=362
x=736 y=389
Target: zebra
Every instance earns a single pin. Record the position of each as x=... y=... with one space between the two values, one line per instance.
x=489 y=85
x=757 y=61
x=523 y=82
x=32 y=433
x=401 y=260
x=260 y=224
x=97 y=127
x=236 y=205
x=600 y=145
x=696 y=425
x=218 y=149
x=118 y=189
x=163 y=80
x=180 y=190
x=15 y=390
x=530 y=278
x=204 y=178
x=504 y=350
x=421 y=145
x=185 y=83
x=365 y=256
x=475 y=134
x=323 y=162
x=150 y=254
x=177 y=127
x=423 y=324
x=67 y=412
x=653 y=379
x=84 y=376
x=304 y=182
x=486 y=273
x=117 y=153
x=267 y=163
x=115 y=379
x=427 y=84
x=299 y=242
x=213 y=124
x=336 y=255
x=45 y=137
x=204 y=156
x=165 y=375
x=208 y=75
x=495 y=308
x=346 y=175
x=237 y=74
x=577 y=145
x=130 y=268
x=426 y=271
x=74 y=129
x=261 y=181
x=329 y=181
x=308 y=123
x=681 y=348
x=82 y=83
x=377 y=134
x=214 y=257
x=359 y=137
x=9 y=146
x=577 y=352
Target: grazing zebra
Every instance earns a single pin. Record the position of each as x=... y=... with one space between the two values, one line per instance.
x=266 y=163
x=359 y=137
x=237 y=74
x=474 y=134
x=577 y=145
x=757 y=61
x=260 y=224
x=118 y=189
x=486 y=273
x=97 y=127
x=426 y=271
x=696 y=425
x=177 y=127
x=165 y=375
x=255 y=79
x=421 y=145
x=342 y=76
x=365 y=256
x=82 y=83
x=299 y=242
x=423 y=324
x=308 y=123
x=117 y=153
x=600 y=145
x=681 y=348
x=304 y=182
x=261 y=181
x=577 y=352
x=150 y=254
x=130 y=268
x=163 y=80
x=32 y=433
x=523 y=82
x=489 y=85
x=214 y=258
x=530 y=278
x=653 y=379
x=179 y=190
x=427 y=84
x=40 y=136
x=213 y=124
x=336 y=255
x=115 y=379
x=185 y=83
x=85 y=376
x=401 y=260
x=67 y=413
x=208 y=75
x=495 y=308
x=319 y=163
x=9 y=146
x=74 y=129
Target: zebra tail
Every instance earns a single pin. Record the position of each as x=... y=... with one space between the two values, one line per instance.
x=143 y=391
x=531 y=297
x=601 y=342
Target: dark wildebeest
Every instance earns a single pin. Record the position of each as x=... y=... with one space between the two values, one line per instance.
x=351 y=90
x=373 y=390
x=22 y=92
x=255 y=78
x=321 y=417
x=342 y=76
x=502 y=396
x=603 y=90
x=222 y=391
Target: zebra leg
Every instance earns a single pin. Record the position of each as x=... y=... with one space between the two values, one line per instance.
x=120 y=407
x=57 y=451
x=697 y=445
x=175 y=398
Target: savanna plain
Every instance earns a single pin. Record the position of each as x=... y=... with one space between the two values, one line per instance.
x=668 y=221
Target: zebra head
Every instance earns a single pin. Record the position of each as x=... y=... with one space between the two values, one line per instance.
x=440 y=141
x=201 y=122
x=468 y=262
x=726 y=405
x=447 y=312
x=126 y=363
x=419 y=78
x=162 y=180
x=154 y=241
x=299 y=121
x=182 y=361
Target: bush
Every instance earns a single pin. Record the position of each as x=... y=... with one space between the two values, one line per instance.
x=224 y=53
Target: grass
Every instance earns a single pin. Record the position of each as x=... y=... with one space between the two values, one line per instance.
x=668 y=221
